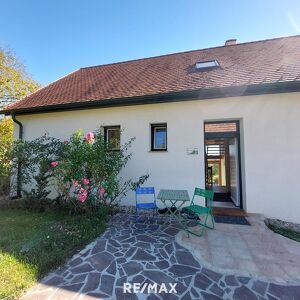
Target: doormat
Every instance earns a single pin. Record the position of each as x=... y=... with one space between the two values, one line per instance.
x=238 y=220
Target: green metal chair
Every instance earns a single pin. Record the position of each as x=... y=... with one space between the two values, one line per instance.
x=204 y=213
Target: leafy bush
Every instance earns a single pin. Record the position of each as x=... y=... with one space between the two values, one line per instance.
x=34 y=158
x=84 y=171
x=88 y=174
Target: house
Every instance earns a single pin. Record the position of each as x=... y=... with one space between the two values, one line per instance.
x=227 y=118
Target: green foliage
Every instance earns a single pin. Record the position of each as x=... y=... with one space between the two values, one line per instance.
x=15 y=82
x=88 y=175
x=34 y=158
x=6 y=140
x=84 y=171
x=33 y=243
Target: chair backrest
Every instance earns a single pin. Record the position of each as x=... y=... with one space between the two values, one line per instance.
x=207 y=194
x=145 y=191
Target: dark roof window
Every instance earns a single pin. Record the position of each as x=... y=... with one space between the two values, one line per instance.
x=207 y=65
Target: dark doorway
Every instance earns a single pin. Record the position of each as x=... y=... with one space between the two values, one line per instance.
x=222 y=162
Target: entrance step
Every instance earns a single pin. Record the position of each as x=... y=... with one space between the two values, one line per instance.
x=223 y=211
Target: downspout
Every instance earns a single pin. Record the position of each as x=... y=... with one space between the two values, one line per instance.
x=13 y=116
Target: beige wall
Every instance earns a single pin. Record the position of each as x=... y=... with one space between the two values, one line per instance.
x=270 y=144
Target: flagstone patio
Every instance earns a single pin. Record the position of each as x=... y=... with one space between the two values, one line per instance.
x=147 y=252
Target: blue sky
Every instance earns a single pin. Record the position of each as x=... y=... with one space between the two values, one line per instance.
x=56 y=37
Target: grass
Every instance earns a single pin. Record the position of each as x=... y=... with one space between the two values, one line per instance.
x=32 y=244
x=289 y=233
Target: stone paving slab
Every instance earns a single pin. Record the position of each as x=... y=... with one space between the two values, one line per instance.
x=254 y=251
x=146 y=252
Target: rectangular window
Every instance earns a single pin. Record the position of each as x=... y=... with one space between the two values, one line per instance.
x=159 y=137
x=112 y=135
x=205 y=65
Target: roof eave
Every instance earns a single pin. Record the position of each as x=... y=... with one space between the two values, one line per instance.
x=199 y=94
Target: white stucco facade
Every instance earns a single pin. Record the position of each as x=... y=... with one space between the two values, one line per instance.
x=270 y=143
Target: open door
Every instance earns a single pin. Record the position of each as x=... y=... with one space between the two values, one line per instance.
x=222 y=162
x=234 y=171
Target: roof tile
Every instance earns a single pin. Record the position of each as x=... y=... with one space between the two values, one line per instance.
x=268 y=61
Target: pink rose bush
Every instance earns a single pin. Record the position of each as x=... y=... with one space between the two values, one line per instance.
x=87 y=175
x=82 y=170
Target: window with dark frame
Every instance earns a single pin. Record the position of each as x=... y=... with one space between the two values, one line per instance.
x=112 y=136
x=159 y=137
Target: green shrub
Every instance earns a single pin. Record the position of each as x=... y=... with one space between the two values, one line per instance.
x=84 y=171
x=33 y=159
x=88 y=174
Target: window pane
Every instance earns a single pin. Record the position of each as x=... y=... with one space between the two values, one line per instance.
x=160 y=138
x=113 y=137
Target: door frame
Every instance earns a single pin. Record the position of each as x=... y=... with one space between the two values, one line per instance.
x=229 y=134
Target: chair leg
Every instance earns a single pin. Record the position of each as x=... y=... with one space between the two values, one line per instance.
x=188 y=231
x=212 y=226
x=202 y=228
x=213 y=221
x=185 y=226
x=136 y=214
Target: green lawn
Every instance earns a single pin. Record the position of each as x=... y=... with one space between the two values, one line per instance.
x=32 y=244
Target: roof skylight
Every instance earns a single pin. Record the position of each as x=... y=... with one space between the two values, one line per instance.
x=210 y=64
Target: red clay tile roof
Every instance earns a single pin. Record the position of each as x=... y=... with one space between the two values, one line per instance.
x=253 y=63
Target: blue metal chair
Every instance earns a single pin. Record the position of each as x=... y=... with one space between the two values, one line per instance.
x=145 y=205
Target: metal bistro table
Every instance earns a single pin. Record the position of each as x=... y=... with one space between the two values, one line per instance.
x=174 y=197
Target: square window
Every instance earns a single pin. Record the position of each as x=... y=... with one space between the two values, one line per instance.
x=112 y=135
x=159 y=137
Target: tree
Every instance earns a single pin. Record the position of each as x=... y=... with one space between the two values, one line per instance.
x=15 y=82
x=6 y=139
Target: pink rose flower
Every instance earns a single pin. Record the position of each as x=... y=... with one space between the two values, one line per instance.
x=101 y=192
x=54 y=164
x=90 y=137
x=86 y=181
x=82 y=195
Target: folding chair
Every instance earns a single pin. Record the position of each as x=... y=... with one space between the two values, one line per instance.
x=145 y=205
x=202 y=212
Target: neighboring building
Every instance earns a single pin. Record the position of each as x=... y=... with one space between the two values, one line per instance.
x=227 y=118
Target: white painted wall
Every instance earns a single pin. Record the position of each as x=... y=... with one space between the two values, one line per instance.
x=270 y=144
